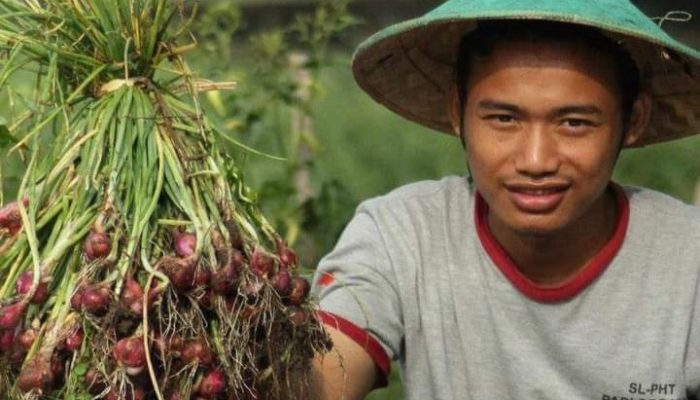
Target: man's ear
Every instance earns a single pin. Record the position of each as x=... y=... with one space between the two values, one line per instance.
x=639 y=119
x=453 y=109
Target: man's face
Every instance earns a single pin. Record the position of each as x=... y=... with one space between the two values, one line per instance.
x=543 y=129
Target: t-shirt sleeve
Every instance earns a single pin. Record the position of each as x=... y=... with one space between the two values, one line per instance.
x=357 y=291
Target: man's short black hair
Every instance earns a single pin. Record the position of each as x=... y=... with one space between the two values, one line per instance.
x=481 y=42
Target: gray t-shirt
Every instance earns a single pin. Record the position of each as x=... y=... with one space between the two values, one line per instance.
x=412 y=272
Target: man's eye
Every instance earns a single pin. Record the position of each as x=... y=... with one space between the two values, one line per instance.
x=501 y=118
x=577 y=123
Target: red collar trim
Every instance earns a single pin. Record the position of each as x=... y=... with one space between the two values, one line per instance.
x=574 y=285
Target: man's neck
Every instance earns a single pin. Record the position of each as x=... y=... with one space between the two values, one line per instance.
x=550 y=260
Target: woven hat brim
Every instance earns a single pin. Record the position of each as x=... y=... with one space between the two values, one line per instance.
x=410 y=70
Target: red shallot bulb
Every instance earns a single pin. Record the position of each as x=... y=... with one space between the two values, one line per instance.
x=24 y=286
x=185 y=243
x=97 y=245
x=132 y=297
x=281 y=282
x=74 y=341
x=196 y=351
x=76 y=301
x=202 y=277
x=180 y=271
x=129 y=352
x=298 y=291
x=212 y=384
x=36 y=375
x=262 y=264
x=26 y=339
x=95 y=300
x=11 y=315
x=175 y=396
x=287 y=257
x=10 y=218
x=223 y=280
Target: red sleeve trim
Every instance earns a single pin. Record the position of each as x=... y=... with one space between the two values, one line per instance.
x=574 y=285
x=365 y=340
x=326 y=279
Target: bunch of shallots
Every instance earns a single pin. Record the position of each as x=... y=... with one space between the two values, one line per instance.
x=135 y=264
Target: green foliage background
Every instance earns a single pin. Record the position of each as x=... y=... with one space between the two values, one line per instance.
x=356 y=149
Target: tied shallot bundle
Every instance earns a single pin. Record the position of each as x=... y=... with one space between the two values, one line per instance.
x=134 y=263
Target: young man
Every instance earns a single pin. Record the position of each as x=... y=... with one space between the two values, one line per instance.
x=537 y=277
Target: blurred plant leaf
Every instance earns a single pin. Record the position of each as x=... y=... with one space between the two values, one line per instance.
x=217 y=102
x=327 y=214
x=269 y=44
x=6 y=138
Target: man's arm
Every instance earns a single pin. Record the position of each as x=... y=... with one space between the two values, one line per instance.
x=360 y=307
x=347 y=372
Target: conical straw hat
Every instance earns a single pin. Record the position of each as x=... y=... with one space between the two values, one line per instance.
x=409 y=67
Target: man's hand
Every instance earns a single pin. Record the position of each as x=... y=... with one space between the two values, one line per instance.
x=347 y=372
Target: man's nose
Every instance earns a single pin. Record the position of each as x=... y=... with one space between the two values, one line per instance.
x=537 y=153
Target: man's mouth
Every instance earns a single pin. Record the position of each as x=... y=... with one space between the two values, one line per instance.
x=537 y=198
x=538 y=192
